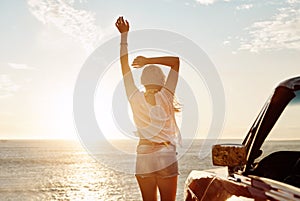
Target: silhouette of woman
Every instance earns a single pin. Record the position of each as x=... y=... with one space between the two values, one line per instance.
x=154 y=117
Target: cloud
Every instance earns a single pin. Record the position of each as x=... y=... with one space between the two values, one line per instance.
x=79 y=24
x=206 y=2
x=20 y=66
x=226 y=42
x=244 y=7
x=209 y=2
x=282 y=31
x=7 y=86
x=293 y=1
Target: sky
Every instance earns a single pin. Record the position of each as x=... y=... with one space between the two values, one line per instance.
x=44 y=43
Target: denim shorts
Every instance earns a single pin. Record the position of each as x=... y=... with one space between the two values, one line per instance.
x=156 y=160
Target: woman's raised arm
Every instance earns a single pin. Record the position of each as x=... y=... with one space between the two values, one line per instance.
x=123 y=27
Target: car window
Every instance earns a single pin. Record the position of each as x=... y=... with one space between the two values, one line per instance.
x=285 y=135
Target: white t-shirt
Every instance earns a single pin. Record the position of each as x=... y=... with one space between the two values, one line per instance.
x=155 y=122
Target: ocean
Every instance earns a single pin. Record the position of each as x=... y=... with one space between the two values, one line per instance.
x=64 y=170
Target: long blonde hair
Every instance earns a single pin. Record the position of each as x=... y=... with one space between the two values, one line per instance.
x=153 y=75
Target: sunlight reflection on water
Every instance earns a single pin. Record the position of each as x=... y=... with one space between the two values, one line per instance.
x=59 y=170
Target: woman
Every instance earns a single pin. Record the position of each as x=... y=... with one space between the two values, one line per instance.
x=153 y=113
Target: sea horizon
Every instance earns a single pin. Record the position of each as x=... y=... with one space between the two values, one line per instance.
x=66 y=170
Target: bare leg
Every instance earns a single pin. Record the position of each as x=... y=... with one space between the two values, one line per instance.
x=167 y=188
x=148 y=188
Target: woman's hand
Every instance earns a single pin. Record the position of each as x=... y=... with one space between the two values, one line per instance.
x=122 y=25
x=139 y=62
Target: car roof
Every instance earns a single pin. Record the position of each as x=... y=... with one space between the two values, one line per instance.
x=292 y=83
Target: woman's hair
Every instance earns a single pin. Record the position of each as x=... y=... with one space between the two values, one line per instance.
x=153 y=75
